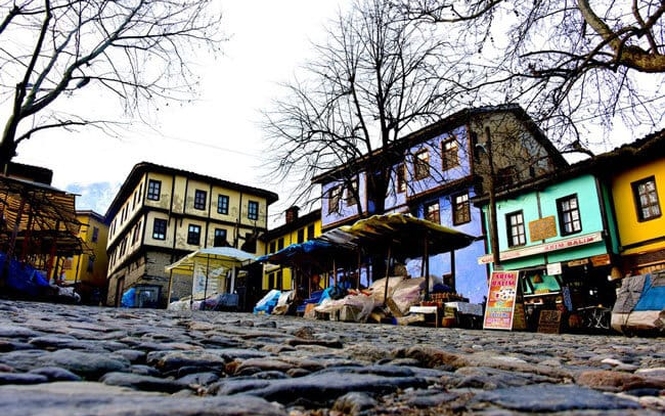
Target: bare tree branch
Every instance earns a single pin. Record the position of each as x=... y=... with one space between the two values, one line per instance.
x=139 y=50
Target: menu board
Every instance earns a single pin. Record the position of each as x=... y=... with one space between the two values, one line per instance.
x=500 y=308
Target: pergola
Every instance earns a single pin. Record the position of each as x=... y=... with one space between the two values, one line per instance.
x=38 y=223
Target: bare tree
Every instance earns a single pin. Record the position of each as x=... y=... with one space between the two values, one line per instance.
x=376 y=77
x=137 y=50
x=572 y=64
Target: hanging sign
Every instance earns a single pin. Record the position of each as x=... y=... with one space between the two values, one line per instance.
x=500 y=308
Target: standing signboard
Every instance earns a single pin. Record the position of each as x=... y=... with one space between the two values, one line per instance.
x=500 y=309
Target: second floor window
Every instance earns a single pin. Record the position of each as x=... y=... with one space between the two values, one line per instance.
x=401 y=178
x=515 y=229
x=154 y=189
x=351 y=191
x=646 y=199
x=220 y=238
x=223 y=204
x=310 y=232
x=334 y=196
x=432 y=212
x=194 y=234
x=95 y=234
x=253 y=210
x=421 y=167
x=461 y=209
x=200 y=199
x=449 y=157
x=569 y=215
x=159 y=229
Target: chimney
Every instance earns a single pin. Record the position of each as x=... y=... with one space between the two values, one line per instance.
x=292 y=214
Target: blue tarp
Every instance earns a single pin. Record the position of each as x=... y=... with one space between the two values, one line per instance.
x=128 y=299
x=24 y=279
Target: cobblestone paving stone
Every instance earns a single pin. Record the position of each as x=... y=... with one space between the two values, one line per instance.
x=76 y=360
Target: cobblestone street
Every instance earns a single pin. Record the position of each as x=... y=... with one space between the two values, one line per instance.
x=76 y=360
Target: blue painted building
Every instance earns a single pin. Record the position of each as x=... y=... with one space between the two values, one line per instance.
x=434 y=173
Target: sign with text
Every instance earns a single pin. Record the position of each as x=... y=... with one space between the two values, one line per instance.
x=500 y=308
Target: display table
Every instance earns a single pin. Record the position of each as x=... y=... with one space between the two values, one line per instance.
x=427 y=310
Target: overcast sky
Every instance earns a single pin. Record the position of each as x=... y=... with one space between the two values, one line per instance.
x=218 y=135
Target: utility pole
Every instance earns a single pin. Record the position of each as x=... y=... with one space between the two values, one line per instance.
x=494 y=236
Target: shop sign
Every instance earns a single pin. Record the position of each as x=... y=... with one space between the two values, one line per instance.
x=580 y=262
x=545 y=248
x=553 y=269
x=501 y=297
x=542 y=228
x=600 y=260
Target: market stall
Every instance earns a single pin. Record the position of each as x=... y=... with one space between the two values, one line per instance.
x=213 y=270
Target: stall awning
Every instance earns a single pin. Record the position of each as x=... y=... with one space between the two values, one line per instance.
x=407 y=234
x=213 y=257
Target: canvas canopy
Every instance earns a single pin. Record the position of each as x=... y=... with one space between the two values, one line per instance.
x=212 y=261
x=409 y=235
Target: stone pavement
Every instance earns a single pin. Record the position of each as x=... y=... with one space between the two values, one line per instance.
x=77 y=360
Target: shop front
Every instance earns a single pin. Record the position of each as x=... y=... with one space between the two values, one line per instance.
x=565 y=286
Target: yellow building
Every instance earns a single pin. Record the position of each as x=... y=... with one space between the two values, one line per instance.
x=87 y=271
x=296 y=230
x=638 y=191
x=161 y=214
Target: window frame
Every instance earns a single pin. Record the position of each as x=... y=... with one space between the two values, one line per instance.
x=223 y=204
x=334 y=198
x=193 y=230
x=436 y=215
x=156 y=235
x=351 y=190
x=637 y=198
x=461 y=210
x=154 y=192
x=421 y=165
x=562 y=212
x=400 y=175
x=253 y=210
x=449 y=156
x=200 y=198
x=219 y=232
x=520 y=226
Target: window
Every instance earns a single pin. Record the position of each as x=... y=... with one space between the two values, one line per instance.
x=253 y=210
x=401 y=178
x=154 y=189
x=220 y=238
x=569 y=215
x=136 y=232
x=449 y=158
x=422 y=164
x=301 y=235
x=280 y=244
x=506 y=176
x=461 y=209
x=516 y=230
x=200 y=199
x=432 y=212
x=223 y=204
x=646 y=199
x=273 y=245
x=95 y=234
x=310 y=232
x=351 y=191
x=91 y=264
x=159 y=229
x=334 y=196
x=194 y=234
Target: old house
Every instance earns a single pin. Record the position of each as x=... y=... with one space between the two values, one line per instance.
x=161 y=214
